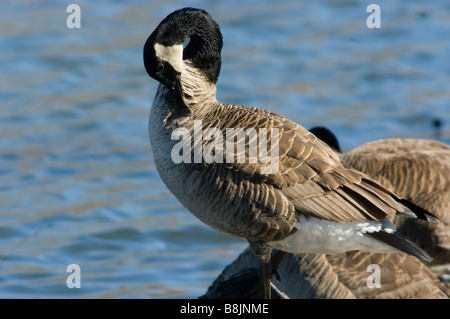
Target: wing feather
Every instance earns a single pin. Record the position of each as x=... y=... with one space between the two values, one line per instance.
x=309 y=174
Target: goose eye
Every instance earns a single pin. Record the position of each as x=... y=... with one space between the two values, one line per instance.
x=160 y=67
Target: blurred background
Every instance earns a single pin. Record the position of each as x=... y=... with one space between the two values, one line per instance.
x=77 y=179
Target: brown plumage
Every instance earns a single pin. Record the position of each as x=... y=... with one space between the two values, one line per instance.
x=342 y=276
x=310 y=180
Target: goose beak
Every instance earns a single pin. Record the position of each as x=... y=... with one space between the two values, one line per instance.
x=177 y=90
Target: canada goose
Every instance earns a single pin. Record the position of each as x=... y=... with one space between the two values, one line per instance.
x=310 y=201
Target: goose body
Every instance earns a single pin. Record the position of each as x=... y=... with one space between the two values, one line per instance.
x=309 y=202
x=213 y=193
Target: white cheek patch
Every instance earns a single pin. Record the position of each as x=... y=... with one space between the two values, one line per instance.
x=172 y=54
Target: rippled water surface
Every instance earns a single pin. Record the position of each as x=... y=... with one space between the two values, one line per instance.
x=77 y=179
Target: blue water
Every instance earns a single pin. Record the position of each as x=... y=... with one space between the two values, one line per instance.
x=77 y=180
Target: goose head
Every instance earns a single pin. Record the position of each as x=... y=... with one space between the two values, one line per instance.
x=166 y=57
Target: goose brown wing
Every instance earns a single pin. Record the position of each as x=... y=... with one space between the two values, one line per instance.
x=307 y=172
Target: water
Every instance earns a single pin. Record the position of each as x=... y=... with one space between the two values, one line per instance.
x=77 y=180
